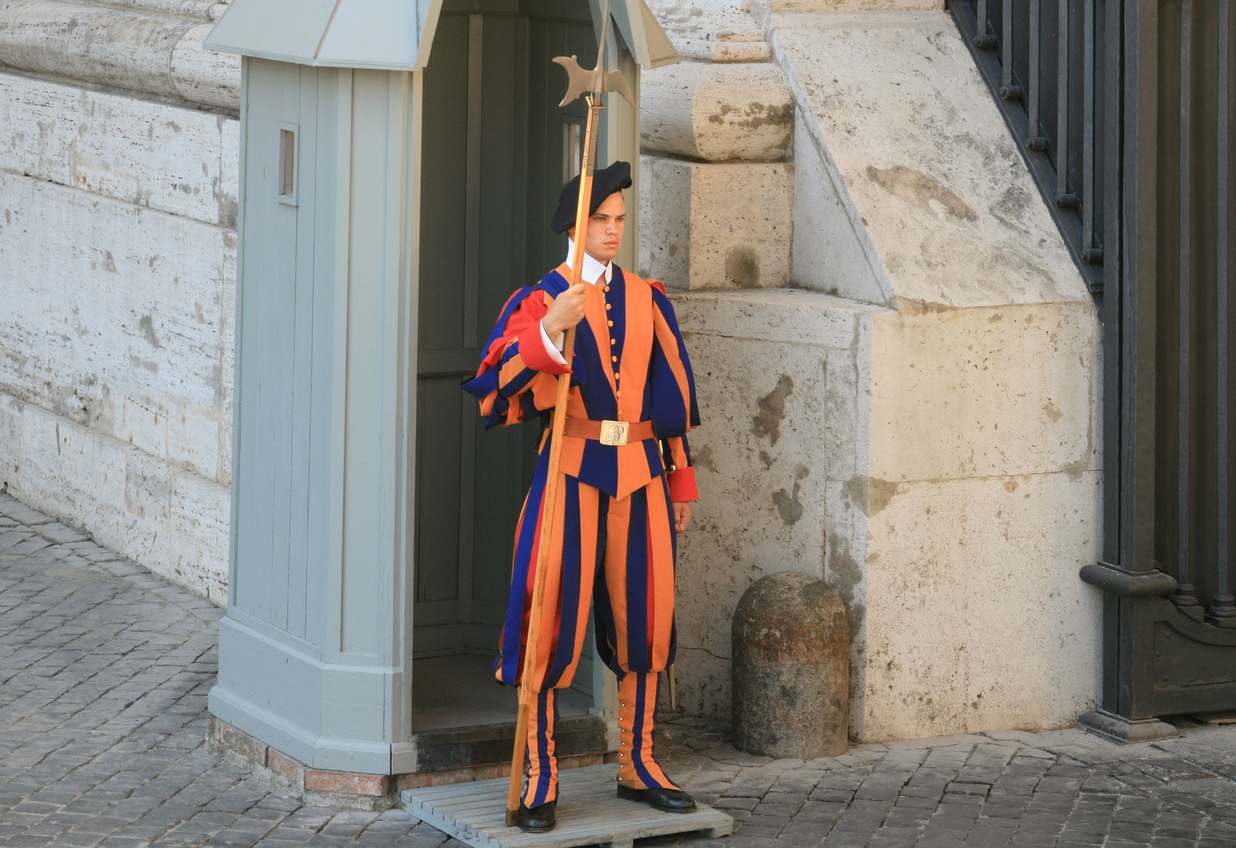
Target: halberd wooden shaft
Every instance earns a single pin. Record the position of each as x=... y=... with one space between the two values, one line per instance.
x=550 y=491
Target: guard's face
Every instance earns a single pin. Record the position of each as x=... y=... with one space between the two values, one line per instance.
x=604 y=235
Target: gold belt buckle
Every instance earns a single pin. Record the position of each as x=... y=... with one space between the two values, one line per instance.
x=614 y=432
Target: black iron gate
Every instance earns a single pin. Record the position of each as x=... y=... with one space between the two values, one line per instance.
x=1123 y=110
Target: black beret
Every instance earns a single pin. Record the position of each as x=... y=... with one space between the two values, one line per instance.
x=605 y=182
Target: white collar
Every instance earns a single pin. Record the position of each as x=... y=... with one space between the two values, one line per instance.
x=592 y=266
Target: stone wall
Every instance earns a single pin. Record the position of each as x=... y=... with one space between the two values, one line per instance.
x=118 y=172
x=913 y=412
x=717 y=225
x=899 y=367
x=783 y=379
x=983 y=485
x=716 y=128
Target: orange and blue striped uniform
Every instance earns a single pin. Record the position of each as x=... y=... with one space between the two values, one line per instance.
x=613 y=541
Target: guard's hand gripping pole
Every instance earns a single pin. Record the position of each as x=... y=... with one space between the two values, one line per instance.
x=593 y=85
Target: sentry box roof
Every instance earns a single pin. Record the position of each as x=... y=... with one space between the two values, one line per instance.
x=382 y=34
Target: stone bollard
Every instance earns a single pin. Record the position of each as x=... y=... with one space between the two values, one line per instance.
x=791 y=691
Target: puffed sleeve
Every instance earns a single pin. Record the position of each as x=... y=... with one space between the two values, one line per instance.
x=517 y=377
x=674 y=407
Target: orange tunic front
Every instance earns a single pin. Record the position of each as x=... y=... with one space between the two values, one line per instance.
x=630 y=363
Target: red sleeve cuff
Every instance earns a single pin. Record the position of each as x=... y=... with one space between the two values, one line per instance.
x=532 y=351
x=682 y=485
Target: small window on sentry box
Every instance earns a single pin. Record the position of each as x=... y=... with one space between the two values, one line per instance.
x=286 y=173
x=572 y=149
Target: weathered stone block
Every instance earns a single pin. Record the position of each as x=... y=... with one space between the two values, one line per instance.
x=172 y=520
x=965 y=575
x=205 y=76
x=716 y=112
x=178 y=160
x=791 y=668
x=10 y=437
x=148 y=51
x=139 y=360
x=712 y=30
x=706 y=225
x=854 y=5
x=781 y=388
x=188 y=8
x=830 y=253
x=919 y=160
x=986 y=392
x=723 y=50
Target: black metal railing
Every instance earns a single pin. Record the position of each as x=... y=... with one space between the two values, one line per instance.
x=1123 y=109
x=1193 y=302
x=1044 y=60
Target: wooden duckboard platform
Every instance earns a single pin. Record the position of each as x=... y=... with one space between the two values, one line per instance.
x=588 y=813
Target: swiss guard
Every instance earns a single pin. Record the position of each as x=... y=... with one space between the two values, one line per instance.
x=625 y=493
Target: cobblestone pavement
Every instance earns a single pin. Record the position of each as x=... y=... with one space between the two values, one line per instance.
x=104 y=670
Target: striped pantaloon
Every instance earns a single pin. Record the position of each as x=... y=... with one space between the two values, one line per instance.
x=620 y=554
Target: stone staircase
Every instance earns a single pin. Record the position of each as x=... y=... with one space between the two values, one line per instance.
x=899 y=387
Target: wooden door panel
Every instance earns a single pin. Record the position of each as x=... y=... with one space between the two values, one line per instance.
x=493 y=148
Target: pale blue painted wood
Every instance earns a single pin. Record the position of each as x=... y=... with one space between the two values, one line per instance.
x=376 y=34
x=311 y=650
x=427 y=14
x=622 y=28
x=280 y=513
x=385 y=34
x=337 y=366
x=292 y=615
x=284 y=30
x=370 y=357
x=325 y=415
x=372 y=34
x=327 y=715
x=267 y=366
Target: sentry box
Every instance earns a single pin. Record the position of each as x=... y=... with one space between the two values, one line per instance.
x=399 y=162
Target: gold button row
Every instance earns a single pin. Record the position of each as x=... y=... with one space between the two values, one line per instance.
x=613 y=357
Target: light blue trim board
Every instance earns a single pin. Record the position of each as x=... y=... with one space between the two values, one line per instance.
x=393 y=35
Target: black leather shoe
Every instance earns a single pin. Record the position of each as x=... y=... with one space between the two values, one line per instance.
x=535 y=819
x=669 y=800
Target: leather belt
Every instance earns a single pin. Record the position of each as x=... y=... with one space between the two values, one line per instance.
x=608 y=431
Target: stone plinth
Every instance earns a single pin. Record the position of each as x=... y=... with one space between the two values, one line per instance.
x=717 y=225
x=716 y=112
x=791 y=669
